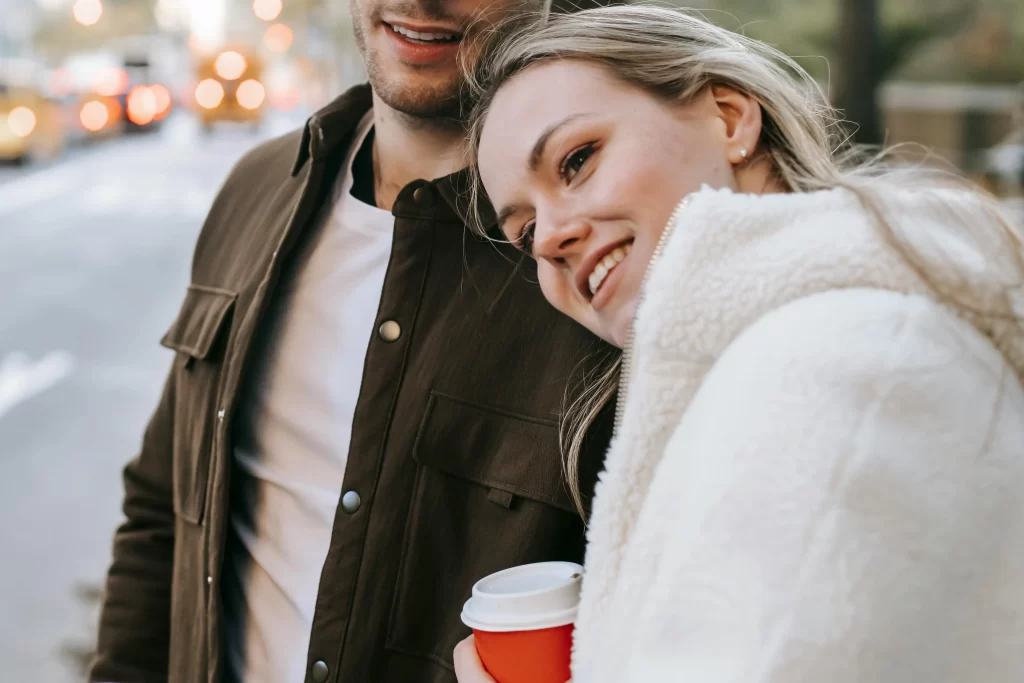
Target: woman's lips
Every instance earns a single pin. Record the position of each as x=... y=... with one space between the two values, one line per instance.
x=606 y=265
x=589 y=264
x=607 y=283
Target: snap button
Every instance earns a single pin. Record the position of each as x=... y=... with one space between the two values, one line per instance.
x=390 y=331
x=320 y=671
x=209 y=580
x=423 y=196
x=350 y=502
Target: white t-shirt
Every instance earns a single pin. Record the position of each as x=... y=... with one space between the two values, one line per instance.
x=292 y=434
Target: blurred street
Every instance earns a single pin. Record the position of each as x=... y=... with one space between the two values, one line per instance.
x=94 y=260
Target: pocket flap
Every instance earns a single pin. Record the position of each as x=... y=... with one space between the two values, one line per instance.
x=515 y=454
x=200 y=320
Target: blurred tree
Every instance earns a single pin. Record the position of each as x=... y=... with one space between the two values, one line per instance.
x=852 y=46
x=869 y=53
x=861 y=68
x=987 y=47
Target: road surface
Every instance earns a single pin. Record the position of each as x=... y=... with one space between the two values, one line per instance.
x=94 y=260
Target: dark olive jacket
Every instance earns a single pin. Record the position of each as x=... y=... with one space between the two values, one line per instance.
x=454 y=452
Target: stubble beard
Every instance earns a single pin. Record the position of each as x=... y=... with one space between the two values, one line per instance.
x=429 y=105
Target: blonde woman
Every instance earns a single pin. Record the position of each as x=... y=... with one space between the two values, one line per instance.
x=818 y=469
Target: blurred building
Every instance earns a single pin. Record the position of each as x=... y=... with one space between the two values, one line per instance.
x=18 y=22
x=959 y=121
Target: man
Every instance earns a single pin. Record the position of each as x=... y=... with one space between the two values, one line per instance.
x=361 y=417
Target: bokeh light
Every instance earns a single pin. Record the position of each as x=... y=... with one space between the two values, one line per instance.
x=94 y=116
x=286 y=98
x=267 y=10
x=142 y=106
x=87 y=12
x=278 y=38
x=112 y=82
x=163 y=100
x=230 y=65
x=250 y=94
x=21 y=121
x=209 y=94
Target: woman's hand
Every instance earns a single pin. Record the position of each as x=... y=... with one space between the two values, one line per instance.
x=468 y=667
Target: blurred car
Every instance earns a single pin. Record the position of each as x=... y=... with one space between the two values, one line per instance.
x=146 y=103
x=230 y=88
x=92 y=84
x=31 y=122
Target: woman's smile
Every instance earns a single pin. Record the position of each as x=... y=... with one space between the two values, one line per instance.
x=594 y=278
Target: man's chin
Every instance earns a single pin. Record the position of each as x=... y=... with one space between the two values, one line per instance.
x=421 y=104
x=421 y=95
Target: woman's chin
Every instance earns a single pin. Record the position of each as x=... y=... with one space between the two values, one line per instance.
x=612 y=323
x=622 y=322
x=616 y=331
x=601 y=328
x=618 y=337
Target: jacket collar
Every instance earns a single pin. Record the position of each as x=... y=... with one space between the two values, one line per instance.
x=331 y=126
x=334 y=125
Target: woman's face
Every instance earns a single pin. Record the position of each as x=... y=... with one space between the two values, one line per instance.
x=585 y=171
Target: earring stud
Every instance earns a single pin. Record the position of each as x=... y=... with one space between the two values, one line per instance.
x=743 y=153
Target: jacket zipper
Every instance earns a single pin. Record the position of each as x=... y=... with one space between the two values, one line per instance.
x=627 y=349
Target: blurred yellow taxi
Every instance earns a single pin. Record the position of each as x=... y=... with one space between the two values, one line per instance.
x=31 y=123
x=230 y=88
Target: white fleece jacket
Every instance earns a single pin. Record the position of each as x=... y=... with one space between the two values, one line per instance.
x=819 y=476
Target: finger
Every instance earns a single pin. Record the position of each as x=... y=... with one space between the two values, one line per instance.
x=468 y=667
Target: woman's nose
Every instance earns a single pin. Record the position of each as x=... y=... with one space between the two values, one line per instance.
x=560 y=240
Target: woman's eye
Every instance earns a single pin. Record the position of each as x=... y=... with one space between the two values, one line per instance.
x=572 y=164
x=525 y=240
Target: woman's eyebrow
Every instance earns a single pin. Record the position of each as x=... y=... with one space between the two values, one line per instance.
x=538 y=147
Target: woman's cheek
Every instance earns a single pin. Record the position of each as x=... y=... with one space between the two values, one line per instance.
x=557 y=288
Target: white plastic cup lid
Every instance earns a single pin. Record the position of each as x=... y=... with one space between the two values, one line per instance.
x=526 y=598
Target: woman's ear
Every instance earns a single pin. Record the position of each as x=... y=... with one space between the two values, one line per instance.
x=741 y=115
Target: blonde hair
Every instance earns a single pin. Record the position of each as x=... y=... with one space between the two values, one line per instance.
x=674 y=55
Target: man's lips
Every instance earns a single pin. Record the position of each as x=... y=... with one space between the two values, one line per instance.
x=414 y=51
x=425 y=32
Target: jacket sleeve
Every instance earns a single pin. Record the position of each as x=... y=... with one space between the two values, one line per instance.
x=134 y=629
x=841 y=503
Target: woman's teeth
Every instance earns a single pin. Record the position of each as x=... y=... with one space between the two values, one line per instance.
x=424 y=37
x=606 y=266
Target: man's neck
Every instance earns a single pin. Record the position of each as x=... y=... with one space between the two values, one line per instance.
x=407 y=149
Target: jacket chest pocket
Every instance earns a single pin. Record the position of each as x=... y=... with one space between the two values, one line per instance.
x=197 y=336
x=489 y=494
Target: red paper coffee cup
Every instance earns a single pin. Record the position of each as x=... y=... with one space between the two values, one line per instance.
x=523 y=621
